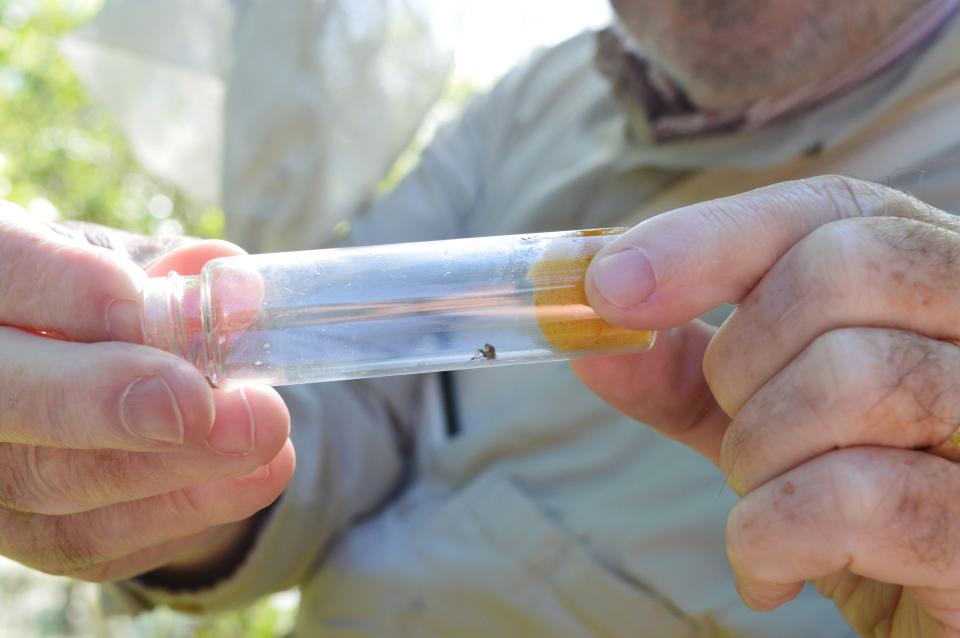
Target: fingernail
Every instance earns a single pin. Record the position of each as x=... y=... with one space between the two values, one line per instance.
x=625 y=279
x=149 y=411
x=123 y=321
x=233 y=428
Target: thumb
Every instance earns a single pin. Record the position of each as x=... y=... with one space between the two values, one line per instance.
x=675 y=267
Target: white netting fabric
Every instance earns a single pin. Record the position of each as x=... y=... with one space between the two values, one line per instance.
x=287 y=113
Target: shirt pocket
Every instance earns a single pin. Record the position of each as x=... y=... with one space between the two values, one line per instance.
x=501 y=542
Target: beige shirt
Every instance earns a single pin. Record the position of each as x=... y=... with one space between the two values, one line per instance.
x=551 y=514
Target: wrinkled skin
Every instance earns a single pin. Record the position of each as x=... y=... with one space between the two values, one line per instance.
x=828 y=399
x=97 y=480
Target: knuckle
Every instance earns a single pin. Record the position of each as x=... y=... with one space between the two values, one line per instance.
x=835 y=181
x=842 y=192
x=835 y=374
x=847 y=367
x=186 y=506
x=905 y=502
x=830 y=255
x=23 y=487
x=71 y=546
x=851 y=197
x=856 y=498
x=889 y=380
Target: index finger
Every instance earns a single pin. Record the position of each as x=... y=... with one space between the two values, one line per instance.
x=677 y=266
x=56 y=283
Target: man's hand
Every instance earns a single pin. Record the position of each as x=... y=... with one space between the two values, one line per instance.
x=116 y=458
x=829 y=398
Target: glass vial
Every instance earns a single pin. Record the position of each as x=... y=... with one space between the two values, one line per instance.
x=348 y=313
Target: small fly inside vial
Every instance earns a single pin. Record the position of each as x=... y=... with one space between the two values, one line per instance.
x=349 y=313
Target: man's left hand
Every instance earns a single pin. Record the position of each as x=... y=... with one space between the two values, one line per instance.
x=829 y=398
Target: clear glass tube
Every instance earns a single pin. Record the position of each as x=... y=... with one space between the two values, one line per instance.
x=348 y=313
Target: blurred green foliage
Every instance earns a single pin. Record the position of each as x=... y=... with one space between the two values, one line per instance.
x=62 y=156
x=457 y=92
x=60 y=153
x=35 y=605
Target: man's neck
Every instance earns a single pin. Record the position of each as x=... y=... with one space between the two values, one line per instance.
x=672 y=115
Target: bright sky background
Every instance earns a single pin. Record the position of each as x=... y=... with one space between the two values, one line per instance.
x=499 y=33
x=495 y=35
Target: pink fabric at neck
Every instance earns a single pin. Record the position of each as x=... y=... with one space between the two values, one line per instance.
x=918 y=30
x=670 y=114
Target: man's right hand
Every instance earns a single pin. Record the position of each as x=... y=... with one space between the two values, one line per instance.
x=116 y=458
